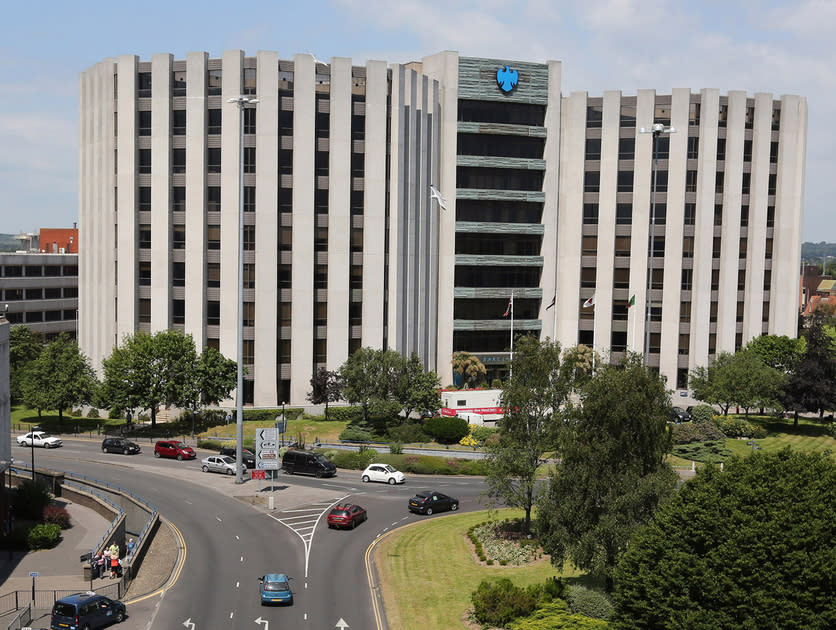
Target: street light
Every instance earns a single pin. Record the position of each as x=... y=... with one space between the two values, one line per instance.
x=657 y=130
x=242 y=101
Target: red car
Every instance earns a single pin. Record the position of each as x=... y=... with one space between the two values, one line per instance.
x=174 y=449
x=346 y=515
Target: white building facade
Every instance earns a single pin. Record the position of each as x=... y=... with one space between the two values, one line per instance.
x=547 y=198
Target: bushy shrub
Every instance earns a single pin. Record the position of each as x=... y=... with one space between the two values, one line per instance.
x=93 y=413
x=832 y=429
x=556 y=614
x=354 y=460
x=345 y=414
x=714 y=451
x=447 y=430
x=395 y=448
x=586 y=601
x=482 y=433
x=30 y=498
x=496 y=384
x=688 y=432
x=496 y=547
x=114 y=414
x=355 y=433
x=702 y=413
x=737 y=427
x=43 y=536
x=407 y=433
x=58 y=515
x=497 y=603
x=76 y=413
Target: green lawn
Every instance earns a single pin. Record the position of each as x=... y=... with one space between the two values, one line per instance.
x=427 y=571
x=809 y=436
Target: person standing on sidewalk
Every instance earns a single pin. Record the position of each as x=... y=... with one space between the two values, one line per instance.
x=101 y=561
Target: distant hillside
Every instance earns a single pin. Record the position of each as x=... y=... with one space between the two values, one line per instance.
x=8 y=243
x=815 y=251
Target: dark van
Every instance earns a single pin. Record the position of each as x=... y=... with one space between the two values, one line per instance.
x=310 y=463
x=86 y=610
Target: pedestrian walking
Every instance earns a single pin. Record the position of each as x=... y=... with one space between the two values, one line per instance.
x=130 y=546
x=101 y=560
x=114 y=564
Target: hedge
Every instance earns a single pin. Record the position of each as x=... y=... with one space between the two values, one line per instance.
x=556 y=614
x=589 y=602
x=737 y=427
x=688 y=432
x=44 y=536
x=702 y=413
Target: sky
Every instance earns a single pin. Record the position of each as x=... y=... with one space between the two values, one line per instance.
x=750 y=45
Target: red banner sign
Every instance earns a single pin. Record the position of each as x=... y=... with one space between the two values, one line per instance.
x=259 y=474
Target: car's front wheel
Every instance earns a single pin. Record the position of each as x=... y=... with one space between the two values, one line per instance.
x=229 y=471
x=104 y=449
x=124 y=451
x=205 y=469
x=391 y=481
x=120 y=617
x=156 y=454
x=365 y=479
x=429 y=511
x=454 y=507
x=179 y=458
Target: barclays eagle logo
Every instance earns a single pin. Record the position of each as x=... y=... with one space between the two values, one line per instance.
x=507 y=79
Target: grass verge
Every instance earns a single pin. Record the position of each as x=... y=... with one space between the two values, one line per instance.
x=428 y=571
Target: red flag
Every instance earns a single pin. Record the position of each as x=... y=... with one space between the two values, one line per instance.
x=507 y=310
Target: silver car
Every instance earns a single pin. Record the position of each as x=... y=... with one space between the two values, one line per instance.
x=218 y=463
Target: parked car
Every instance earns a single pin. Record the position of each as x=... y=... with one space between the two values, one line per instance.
x=678 y=414
x=40 y=438
x=120 y=445
x=246 y=455
x=86 y=610
x=346 y=515
x=219 y=463
x=306 y=462
x=430 y=501
x=383 y=473
x=173 y=449
x=275 y=589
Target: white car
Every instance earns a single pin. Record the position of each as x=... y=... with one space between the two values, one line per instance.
x=218 y=463
x=40 y=438
x=384 y=473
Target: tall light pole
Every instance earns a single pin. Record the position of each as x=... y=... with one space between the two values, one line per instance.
x=657 y=130
x=242 y=101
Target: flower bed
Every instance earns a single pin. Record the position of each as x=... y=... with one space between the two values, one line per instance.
x=500 y=542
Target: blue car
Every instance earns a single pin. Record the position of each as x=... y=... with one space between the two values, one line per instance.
x=275 y=589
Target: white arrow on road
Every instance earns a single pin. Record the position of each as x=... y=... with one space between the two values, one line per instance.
x=264 y=621
x=188 y=623
x=342 y=625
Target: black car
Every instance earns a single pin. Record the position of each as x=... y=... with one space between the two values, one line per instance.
x=678 y=414
x=246 y=455
x=120 y=445
x=429 y=501
x=295 y=461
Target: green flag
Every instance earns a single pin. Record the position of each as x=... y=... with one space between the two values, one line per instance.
x=632 y=301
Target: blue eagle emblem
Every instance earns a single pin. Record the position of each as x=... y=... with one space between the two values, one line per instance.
x=507 y=79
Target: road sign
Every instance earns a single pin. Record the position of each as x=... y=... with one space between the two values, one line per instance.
x=281 y=424
x=266 y=449
x=33 y=574
x=259 y=474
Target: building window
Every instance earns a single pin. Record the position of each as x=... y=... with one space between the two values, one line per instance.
x=178 y=236
x=213 y=160
x=285 y=312
x=213 y=237
x=144 y=311
x=591 y=181
x=718 y=214
x=747 y=150
x=770 y=216
x=249 y=121
x=750 y=117
x=744 y=216
x=34 y=294
x=715 y=284
x=178 y=199
x=321 y=239
x=249 y=276
x=773 y=153
x=178 y=160
x=687 y=279
x=625 y=181
x=747 y=179
x=622 y=245
x=683 y=343
x=776 y=119
x=178 y=124
x=143 y=123
x=320 y=276
x=52 y=293
x=320 y=314
x=178 y=83
x=285 y=277
x=741 y=280
x=213 y=199
x=590 y=214
x=356 y=240
x=593 y=148
x=694 y=114
x=143 y=195
x=213 y=275
x=687 y=246
x=589 y=245
x=249 y=237
x=684 y=312
x=213 y=312
x=178 y=274
x=144 y=236
x=33 y=317
x=721 y=149
x=682 y=378
x=145 y=274
x=626 y=148
x=249 y=81
x=144 y=160
x=621 y=278
x=623 y=214
x=70 y=292
x=767 y=279
x=742 y=248
x=627 y=116
x=249 y=351
x=719 y=180
x=214 y=82
x=178 y=311
x=249 y=198
x=588 y=275
x=285 y=238
x=723 y=115
x=690 y=213
x=691 y=181
x=213 y=126
x=594 y=116
x=768 y=250
x=249 y=313
x=143 y=84
x=34 y=271
x=72 y=270
x=773 y=183
x=249 y=159
x=693 y=147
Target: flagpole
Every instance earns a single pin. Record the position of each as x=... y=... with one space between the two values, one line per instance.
x=511 y=368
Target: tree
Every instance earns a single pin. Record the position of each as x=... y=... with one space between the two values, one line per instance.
x=741 y=379
x=750 y=547
x=612 y=473
x=812 y=386
x=472 y=369
x=326 y=387
x=778 y=351
x=417 y=389
x=533 y=398
x=147 y=371
x=369 y=378
x=24 y=347
x=59 y=378
x=214 y=378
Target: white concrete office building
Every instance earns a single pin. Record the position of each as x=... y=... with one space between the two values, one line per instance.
x=547 y=198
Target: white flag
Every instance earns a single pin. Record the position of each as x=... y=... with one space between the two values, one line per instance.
x=589 y=302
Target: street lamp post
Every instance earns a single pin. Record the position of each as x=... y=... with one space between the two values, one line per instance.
x=241 y=101
x=657 y=130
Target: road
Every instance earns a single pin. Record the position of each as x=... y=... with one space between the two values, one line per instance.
x=230 y=542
